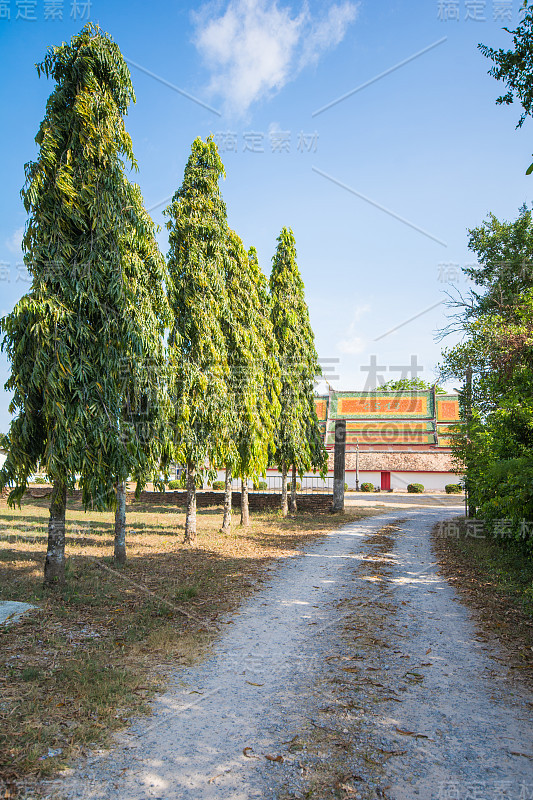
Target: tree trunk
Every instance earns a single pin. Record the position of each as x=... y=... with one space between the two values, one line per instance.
x=54 y=566
x=294 y=508
x=226 y=521
x=245 y=510
x=284 y=503
x=190 y=517
x=120 y=525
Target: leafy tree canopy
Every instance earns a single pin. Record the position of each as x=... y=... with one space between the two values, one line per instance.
x=297 y=440
x=515 y=67
x=94 y=309
x=505 y=271
x=495 y=361
x=197 y=224
x=406 y=385
x=254 y=370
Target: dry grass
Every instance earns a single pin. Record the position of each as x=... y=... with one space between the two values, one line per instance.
x=94 y=651
x=496 y=580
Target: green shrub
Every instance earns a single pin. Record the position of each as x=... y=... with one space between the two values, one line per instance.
x=181 y=482
x=40 y=479
x=367 y=487
x=219 y=486
x=453 y=488
x=260 y=486
x=345 y=487
x=504 y=494
x=415 y=488
x=289 y=486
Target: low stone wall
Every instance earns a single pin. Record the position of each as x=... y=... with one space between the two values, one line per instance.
x=258 y=501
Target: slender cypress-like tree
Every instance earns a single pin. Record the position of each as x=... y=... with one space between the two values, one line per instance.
x=76 y=333
x=254 y=372
x=143 y=425
x=297 y=443
x=198 y=298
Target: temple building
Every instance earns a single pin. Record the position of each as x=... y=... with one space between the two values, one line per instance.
x=393 y=438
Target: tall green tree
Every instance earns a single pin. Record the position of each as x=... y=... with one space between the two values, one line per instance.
x=298 y=443
x=495 y=360
x=198 y=358
x=254 y=373
x=505 y=265
x=515 y=67
x=145 y=408
x=71 y=338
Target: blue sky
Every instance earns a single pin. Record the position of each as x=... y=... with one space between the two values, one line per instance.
x=425 y=142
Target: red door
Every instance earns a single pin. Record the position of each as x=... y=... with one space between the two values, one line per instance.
x=385 y=481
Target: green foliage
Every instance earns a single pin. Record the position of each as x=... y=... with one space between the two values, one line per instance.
x=415 y=488
x=219 y=486
x=367 y=487
x=504 y=494
x=181 y=482
x=198 y=357
x=260 y=486
x=254 y=375
x=515 y=67
x=505 y=270
x=185 y=593
x=453 y=488
x=298 y=486
x=494 y=442
x=298 y=439
x=408 y=385
x=95 y=310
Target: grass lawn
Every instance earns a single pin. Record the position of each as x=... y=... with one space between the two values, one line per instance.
x=95 y=651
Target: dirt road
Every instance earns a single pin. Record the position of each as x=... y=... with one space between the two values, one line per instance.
x=355 y=672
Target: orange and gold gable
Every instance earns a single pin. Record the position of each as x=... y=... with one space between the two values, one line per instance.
x=447 y=409
x=356 y=405
x=418 y=418
x=393 y=406
x=321 y=408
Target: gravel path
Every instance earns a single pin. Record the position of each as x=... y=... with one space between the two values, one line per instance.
x=478 y=725
x=211 y=731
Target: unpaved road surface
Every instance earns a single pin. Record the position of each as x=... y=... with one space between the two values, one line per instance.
x=356 y=672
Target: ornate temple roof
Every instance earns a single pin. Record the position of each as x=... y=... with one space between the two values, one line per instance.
x=419 y=420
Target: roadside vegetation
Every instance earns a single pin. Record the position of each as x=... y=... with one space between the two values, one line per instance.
x=496 y=580
x=494 y=358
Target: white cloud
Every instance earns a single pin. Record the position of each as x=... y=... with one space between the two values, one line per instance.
x=328 y=33
x=255 y=47
x=360 y=311
x=353 y=343
x=14 y=243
